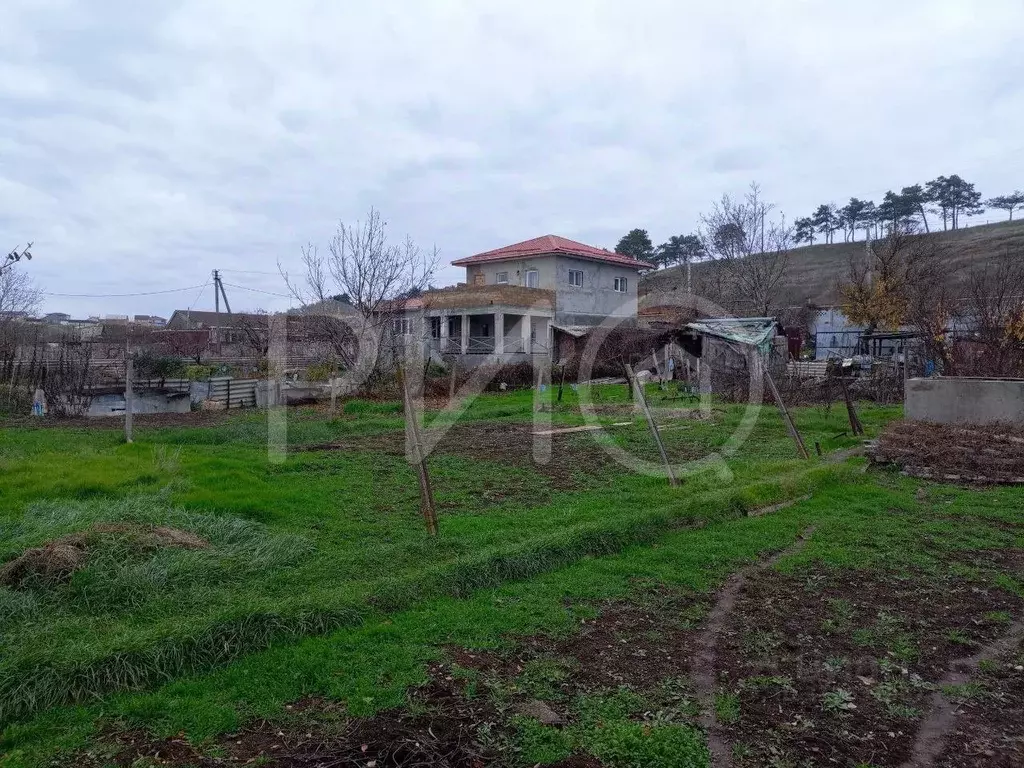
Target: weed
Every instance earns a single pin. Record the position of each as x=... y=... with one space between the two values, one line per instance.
x=635 y=745
x=598 y=708
x=762 y=643
x=997 y=617
x=542 y=678
x=959 y=637
x=834 y=664
x=964 y=692
x=780 y=683
x=538 y=744
x=727 y=708
x=838 y=701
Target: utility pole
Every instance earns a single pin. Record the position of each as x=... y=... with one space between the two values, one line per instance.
x=218 y=291
x=15 y=256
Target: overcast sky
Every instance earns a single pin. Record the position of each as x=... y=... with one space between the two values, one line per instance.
x=143 y=144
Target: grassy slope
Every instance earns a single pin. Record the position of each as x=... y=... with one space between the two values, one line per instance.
x=814 y=271
x=867 y=523
x=312 y=543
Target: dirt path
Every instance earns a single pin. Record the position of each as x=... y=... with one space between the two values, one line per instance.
x=702 y=670
x=942 y=711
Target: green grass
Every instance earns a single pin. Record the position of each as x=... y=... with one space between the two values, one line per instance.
x=330 y=536
x=862 y=523
x=327 y=541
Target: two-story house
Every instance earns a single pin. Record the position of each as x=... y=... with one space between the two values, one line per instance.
x=515 y=297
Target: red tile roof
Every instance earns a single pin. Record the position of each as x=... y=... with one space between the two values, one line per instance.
x=553 y=244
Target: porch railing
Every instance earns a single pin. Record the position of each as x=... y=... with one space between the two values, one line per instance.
x=480 y=345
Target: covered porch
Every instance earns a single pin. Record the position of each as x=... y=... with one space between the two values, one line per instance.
x=499 y=332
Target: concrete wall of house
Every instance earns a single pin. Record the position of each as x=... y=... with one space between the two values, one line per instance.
x=588 y=304
x=597 y=298
x=516 y=269
x=965 y=401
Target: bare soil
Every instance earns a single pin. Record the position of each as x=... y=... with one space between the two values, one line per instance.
x=838 y=667
x=316 y=733
x=990 y=454
x=506 y=443
x=988 y=729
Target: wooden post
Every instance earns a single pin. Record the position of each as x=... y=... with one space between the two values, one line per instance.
x=451 y=384
x=657 y=368
x=128 y=399
x=638 y=393
x=413 y=432
x=334 y=388
x=790 y=426
x=561 y=383
x=855 y=426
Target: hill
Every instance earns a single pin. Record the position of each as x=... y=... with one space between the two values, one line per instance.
x=814 y=271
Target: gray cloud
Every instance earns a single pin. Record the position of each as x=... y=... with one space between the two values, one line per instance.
x=143 y=144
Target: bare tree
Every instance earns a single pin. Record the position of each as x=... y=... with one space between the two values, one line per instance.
x=994 y=314
x=19 y=298
x=190 y=344
x=376 y=276
x=253 y=331
x=69 y=377
x=900 y=280
x=749 y=249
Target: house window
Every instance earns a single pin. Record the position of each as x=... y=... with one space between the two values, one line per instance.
x=620 y=284
x=501 y=277
x=402 y=325
x=435 y=327
x=576 y=278
x=532 y=278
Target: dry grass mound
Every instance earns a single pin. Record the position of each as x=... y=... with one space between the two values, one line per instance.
x=55 y=561
x=946 y=452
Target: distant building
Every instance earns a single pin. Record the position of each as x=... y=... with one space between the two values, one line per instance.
x=56 y=318
x=153 y=321
x=516 y=297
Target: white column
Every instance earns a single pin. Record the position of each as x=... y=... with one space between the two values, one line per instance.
x=465 y=334
x=526 y=324
x=499 y=333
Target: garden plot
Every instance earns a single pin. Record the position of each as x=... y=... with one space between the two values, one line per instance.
x=872 y=625
x=950 y=453
x=330 y=536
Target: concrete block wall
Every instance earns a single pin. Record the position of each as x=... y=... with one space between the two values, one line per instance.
x=965 y=401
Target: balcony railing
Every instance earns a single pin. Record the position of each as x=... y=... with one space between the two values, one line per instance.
x=480 y=345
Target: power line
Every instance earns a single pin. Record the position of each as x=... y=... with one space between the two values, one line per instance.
x=250 y=272
x=121 y=295
x=258 y=290
x=199 y=295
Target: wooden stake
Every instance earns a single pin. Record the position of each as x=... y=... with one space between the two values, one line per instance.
x=334 y=389
x=451 y=384
x=855 y=426
x=657 y=368
x=413 y=431
x=561 y=383
x=790 y=426
x=638 y=392
x=128 y=398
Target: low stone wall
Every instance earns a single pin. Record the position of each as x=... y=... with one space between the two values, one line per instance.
x=965 y=401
